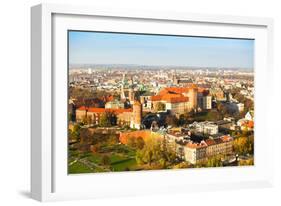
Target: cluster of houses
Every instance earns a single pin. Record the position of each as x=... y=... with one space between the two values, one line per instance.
x=200 y=140
x=186 y=149
x=196 y=152
x=215 y=143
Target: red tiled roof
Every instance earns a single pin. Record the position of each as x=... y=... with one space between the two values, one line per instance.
x=177 y=90
x=249 y=124
x=177 y=99
x=218 y=141
x=170 y=97
x=174 y=94
x=156 y=98
x=102 y=110
x=210 y=142
x=196 y=145
x=226 y=138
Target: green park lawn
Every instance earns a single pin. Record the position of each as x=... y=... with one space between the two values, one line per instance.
x=121 y=157
x=78 y=167
x=122 y=165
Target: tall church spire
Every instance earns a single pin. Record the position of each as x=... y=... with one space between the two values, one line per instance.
x=175 y=80
x=122 y=92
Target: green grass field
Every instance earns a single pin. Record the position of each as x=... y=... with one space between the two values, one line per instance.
x=78 y=167
x=121 y=157
x=124 y=164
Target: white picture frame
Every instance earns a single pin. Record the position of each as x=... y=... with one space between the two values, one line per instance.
x=49 y=179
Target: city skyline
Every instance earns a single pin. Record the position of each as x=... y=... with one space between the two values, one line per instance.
x=159 y=50
x=147 y=102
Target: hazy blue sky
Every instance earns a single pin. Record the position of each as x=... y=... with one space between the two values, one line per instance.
x=115 y=48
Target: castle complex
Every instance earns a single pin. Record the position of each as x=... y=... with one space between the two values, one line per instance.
x=128 y=109
x=177 y=100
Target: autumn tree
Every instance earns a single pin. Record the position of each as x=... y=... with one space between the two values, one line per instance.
x=167 y=153
x=75 y=132
x=214 y=161
x=156 y=151
x=136 y=142
x=244 y=145
x=246 y=162
x=140 y=143
x=149 y=153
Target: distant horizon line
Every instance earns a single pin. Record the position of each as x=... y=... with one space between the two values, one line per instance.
x=71 y=65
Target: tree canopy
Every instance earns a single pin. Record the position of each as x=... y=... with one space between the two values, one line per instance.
x=156 y=151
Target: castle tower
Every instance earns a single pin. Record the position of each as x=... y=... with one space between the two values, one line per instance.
x=175 y=80
x=136 y=115
x=131 y=95
x=192 y=95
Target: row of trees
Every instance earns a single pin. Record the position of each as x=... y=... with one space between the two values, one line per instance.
x=85 y=97
x=92 y=140
x=107 y=119
x=190 y=117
